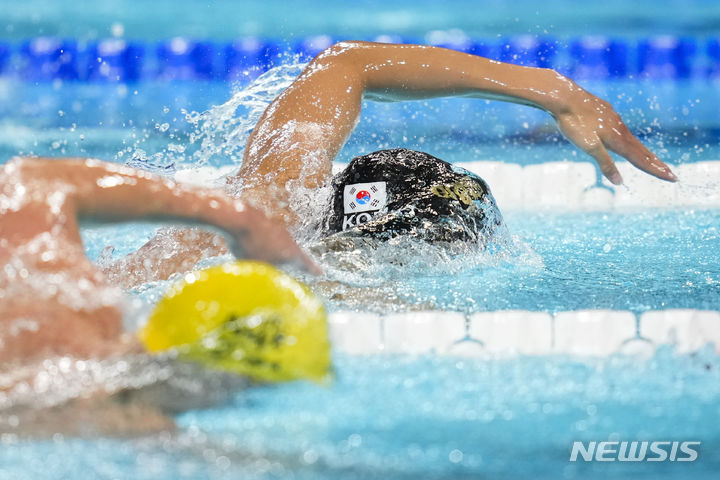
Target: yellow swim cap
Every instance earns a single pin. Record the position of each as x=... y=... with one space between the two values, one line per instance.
x=245 y=317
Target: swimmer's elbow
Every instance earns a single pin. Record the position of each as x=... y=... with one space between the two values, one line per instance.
x=339 y=50
x=345 y=53
x=348 y=60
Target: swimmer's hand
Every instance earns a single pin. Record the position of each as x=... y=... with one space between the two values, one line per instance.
x=592 y=124
x=258 y=237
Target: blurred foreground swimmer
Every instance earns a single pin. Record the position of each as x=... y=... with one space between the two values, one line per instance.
x=57 y=308
x=54 y=301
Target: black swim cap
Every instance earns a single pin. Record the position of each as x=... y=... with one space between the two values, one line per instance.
x=403 y=192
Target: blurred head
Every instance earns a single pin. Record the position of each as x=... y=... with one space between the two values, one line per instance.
x=397 y=192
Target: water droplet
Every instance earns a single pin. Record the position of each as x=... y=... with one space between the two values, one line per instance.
x=456 y=456
x=310 y=457
x=117 y=29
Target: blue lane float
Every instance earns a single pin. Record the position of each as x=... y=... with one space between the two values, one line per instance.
x=528 y=50
x=4 y=56
x=454 y=40
x=47 y=58
x=713 y=50
x=185 y=59
x=182 y=59
x=247 y=58
x=115 y=60
x=666 y=57
x=599 y=57
x=310 y=47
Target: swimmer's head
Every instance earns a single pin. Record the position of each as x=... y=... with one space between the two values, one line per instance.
x=397 y=192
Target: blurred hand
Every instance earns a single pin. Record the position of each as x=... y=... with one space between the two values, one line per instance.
x=261 y=238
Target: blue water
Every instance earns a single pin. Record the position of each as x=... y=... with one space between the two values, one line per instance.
x=396 y=417
x=633 y=261
x=639 y=261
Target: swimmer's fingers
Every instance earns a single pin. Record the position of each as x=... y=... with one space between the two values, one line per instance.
x=606 y=163
x=590 y=143
x=296 y=256
x=308 y=264
x=593 y=125
x=275 y=254
x=623 y=142
x=270 y=242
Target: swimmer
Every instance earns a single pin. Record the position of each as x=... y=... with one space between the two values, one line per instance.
x=298 y=136
x=47 y=281
x=291 y=148
x=55 y=303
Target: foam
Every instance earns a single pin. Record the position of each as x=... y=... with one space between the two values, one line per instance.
x=204 y=176
x=586 y=333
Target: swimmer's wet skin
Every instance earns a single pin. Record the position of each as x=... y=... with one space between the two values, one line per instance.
x=244 y=318
x=54 y=301
x=47 y=279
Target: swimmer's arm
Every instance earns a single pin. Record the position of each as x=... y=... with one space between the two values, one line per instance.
x=112 y=192
x=330 y=91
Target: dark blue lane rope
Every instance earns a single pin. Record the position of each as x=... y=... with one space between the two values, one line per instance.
x=120 y=60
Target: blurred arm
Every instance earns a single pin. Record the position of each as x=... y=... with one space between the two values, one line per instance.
x=111 y=192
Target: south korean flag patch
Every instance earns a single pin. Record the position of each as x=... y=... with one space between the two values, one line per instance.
x=364 y=197
x=360 y=201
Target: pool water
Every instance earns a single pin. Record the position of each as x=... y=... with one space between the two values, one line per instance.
x=592 y=260
x=636 y=261
x=422 y=417
x=432 y=417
